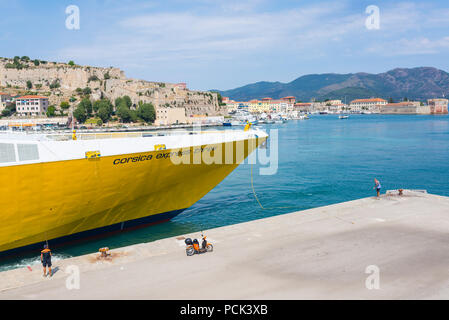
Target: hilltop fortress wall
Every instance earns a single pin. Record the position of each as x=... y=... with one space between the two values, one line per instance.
x=60 y=81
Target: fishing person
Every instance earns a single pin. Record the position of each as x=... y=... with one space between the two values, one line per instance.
x=377 y=186
x=46 y=260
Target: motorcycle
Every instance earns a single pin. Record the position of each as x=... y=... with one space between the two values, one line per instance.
x=193 y=247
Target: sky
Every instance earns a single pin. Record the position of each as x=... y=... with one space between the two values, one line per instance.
x=223 y=44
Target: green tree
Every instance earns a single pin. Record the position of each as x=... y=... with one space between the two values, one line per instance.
x=86 y=104
x=93 y=78
x=103 y=114
x=51 y=111
x=87 y=91
x=146 y=112
x=29 y=84
x=134 y=117
x=80 y=114
x=6 y=112
x=64 y=105
x=36 y=62
x=103 y=103
x=124 y=113
x=71 y=63
x=128 y=101
x=117 y=102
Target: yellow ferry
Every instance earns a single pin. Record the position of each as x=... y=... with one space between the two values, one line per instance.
x=55 y=187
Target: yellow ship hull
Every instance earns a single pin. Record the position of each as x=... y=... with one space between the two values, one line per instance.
x=53 y=200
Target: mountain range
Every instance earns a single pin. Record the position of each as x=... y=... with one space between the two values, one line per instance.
x=415 y=84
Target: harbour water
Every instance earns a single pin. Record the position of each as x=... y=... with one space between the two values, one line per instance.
x=322 y=161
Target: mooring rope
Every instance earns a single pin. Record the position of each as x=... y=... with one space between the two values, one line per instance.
x=257 y=198
x=288 y=207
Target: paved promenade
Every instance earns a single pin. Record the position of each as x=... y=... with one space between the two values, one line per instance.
x=321 y=253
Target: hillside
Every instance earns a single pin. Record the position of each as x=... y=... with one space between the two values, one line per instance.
x=70 y=82
x=417 y=83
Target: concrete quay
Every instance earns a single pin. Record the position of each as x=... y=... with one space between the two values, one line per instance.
x=399 y=244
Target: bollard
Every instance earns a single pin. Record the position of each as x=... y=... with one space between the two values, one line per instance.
x=104 y=252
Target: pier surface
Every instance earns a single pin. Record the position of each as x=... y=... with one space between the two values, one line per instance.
x=321 y=253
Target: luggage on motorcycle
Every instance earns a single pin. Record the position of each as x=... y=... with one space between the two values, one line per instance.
x=196 y=245
x=188 y=241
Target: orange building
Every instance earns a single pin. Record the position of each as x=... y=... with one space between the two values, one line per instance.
x=438 y=106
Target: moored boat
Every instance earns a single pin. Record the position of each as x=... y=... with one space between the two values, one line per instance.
x=59 y=189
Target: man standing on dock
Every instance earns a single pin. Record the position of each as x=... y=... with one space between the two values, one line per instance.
x=46 y=260
x=377 y=186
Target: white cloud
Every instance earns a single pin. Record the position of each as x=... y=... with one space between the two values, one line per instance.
x=415 y=46
x=215 y=36
x=241 y=31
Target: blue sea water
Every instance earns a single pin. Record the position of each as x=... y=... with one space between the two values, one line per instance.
x=322 y=161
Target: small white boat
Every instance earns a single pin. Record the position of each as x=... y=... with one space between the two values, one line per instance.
x=343 y=117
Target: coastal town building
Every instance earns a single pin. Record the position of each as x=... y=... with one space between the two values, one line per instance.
x=303 y=107
x=205 y=119
x=438 y=106
x=406 y=107
x=265 y=105
x=31 y=105
x=372 y=105
x=182 y=86
x=333 y=102
x=5 y=99
x=288 y=104
x=168 y=116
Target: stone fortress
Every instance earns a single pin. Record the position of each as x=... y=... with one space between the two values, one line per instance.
x=63 y=82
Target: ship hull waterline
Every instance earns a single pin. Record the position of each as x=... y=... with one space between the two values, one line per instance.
x=64 y=200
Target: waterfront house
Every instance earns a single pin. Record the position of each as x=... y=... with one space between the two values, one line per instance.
x=438 y=106
x=31 y=105
x=303 y=107
x=372 y=105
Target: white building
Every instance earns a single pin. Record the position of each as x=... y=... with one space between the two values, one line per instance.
x=31 y=105
x=169 y=116
x=373 y=105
